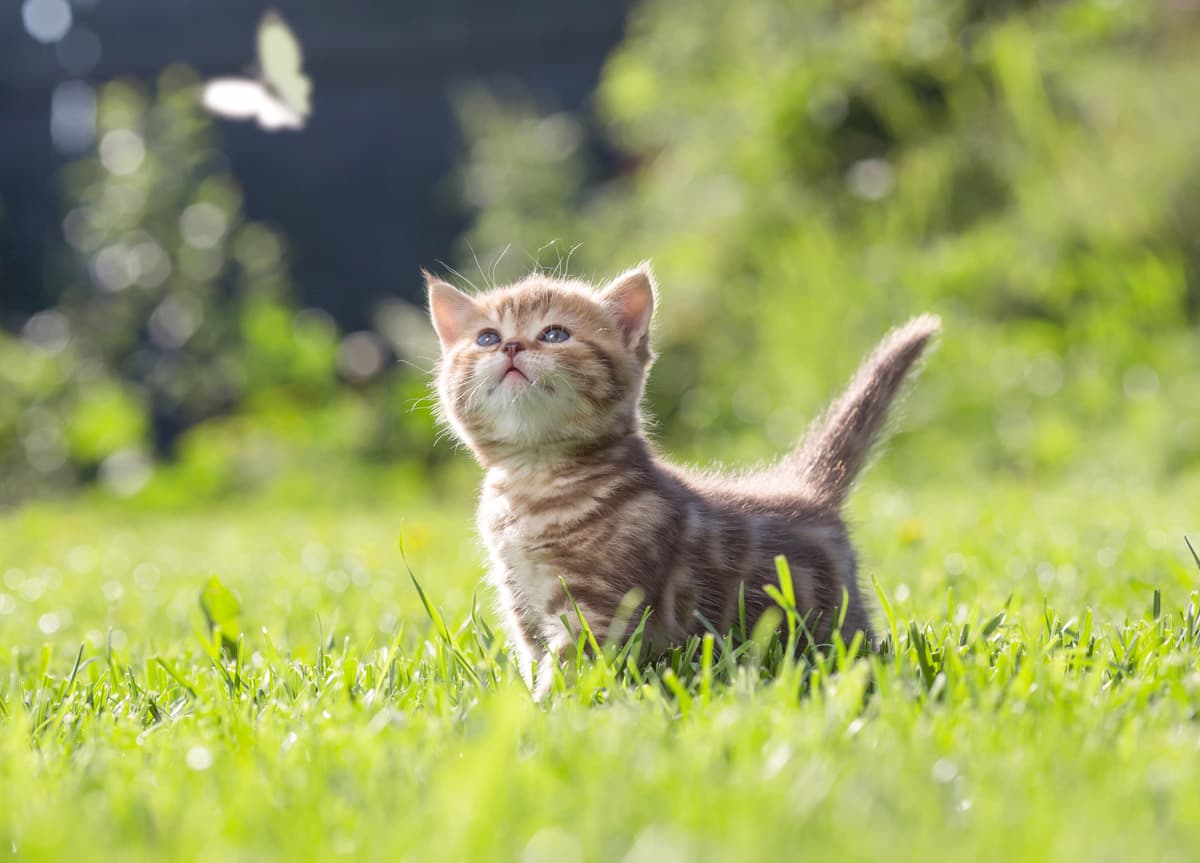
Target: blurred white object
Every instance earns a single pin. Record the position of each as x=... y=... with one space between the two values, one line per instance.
x=279 y=98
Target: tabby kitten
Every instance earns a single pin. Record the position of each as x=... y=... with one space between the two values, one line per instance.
x=543 y=381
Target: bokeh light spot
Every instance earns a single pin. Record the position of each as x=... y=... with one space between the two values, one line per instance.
x=203 y=225
x=257 y=248
x=122 y=151
x=82 y=559
x=46 y=20
x=126 y=472
x=1044 y=376
x=1140 y=382
x=42 y=440
x=558 y=135
x=361 y=356
x=73 y=116
x=552 y=845
x=48 y=331
x=337 y=581
x=871 y=179
x=151 y=262
x=944 y=770
x=78 y=231
x=199 y=758
x=407 y=329
x=201 y=264
x=113 y=268
x=175 y=321
x=315 y=557
x=79 y=51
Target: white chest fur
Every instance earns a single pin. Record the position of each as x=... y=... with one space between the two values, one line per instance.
x=525 y=577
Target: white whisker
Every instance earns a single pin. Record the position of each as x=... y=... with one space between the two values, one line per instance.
x=451 y=269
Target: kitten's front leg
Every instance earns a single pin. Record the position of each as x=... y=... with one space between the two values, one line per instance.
x=560 y=650
x=562 y=638
x=522 y=637
x=524 y=658
x=545 y=675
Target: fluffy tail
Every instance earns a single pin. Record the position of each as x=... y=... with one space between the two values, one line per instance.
x=837 y=445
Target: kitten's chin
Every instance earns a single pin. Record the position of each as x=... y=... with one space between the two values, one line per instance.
x=529 y=425
x=522 y=413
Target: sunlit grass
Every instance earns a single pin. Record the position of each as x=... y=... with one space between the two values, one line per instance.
x=1036 y=697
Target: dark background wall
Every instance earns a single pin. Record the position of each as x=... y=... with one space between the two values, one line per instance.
x=376 y=153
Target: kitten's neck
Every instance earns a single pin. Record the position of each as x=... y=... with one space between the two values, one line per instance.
x=625 y=448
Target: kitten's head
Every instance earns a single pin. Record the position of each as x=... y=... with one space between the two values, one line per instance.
x=544 y=364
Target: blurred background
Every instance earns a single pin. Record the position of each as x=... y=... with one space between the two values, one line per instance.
x=194 y=308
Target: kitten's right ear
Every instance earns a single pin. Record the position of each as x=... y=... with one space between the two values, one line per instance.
x=449 y=308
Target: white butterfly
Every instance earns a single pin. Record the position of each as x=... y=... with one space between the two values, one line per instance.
x=279 y=97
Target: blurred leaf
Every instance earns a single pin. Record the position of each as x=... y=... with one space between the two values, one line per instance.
x=222 y=611
x=106 y=418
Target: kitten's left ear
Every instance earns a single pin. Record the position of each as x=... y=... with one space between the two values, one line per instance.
x=630 y=296
x=450 y=309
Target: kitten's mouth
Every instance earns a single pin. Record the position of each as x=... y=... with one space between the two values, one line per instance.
x=513 y=372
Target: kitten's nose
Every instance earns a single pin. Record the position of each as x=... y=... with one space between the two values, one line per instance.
x=513 y=348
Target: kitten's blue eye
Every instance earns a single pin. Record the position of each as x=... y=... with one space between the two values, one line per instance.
x=487 y=338
x=555 y=334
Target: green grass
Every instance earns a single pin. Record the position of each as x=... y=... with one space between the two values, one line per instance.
x=1040 y=702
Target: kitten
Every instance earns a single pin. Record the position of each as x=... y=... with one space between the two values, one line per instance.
x=543 y=379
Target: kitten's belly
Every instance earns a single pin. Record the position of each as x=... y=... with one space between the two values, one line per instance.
x=689 y=562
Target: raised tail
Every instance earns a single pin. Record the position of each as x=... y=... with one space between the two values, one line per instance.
x=839 y=442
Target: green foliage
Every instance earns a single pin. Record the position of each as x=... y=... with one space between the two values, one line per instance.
x=161 y=268
x=105 y=419
x=59 y=414
x=1037 y=670
x=177 y=313
x=288 y=349
x=805 y=175
x=162 y=282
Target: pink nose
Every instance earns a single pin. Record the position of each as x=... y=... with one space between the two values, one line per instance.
x=513 y=348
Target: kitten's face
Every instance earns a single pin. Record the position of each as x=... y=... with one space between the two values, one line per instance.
x=543 y=363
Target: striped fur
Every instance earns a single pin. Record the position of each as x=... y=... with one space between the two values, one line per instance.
x=575 y=494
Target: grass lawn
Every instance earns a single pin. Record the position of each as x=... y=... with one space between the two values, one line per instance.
x=1040 y=703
